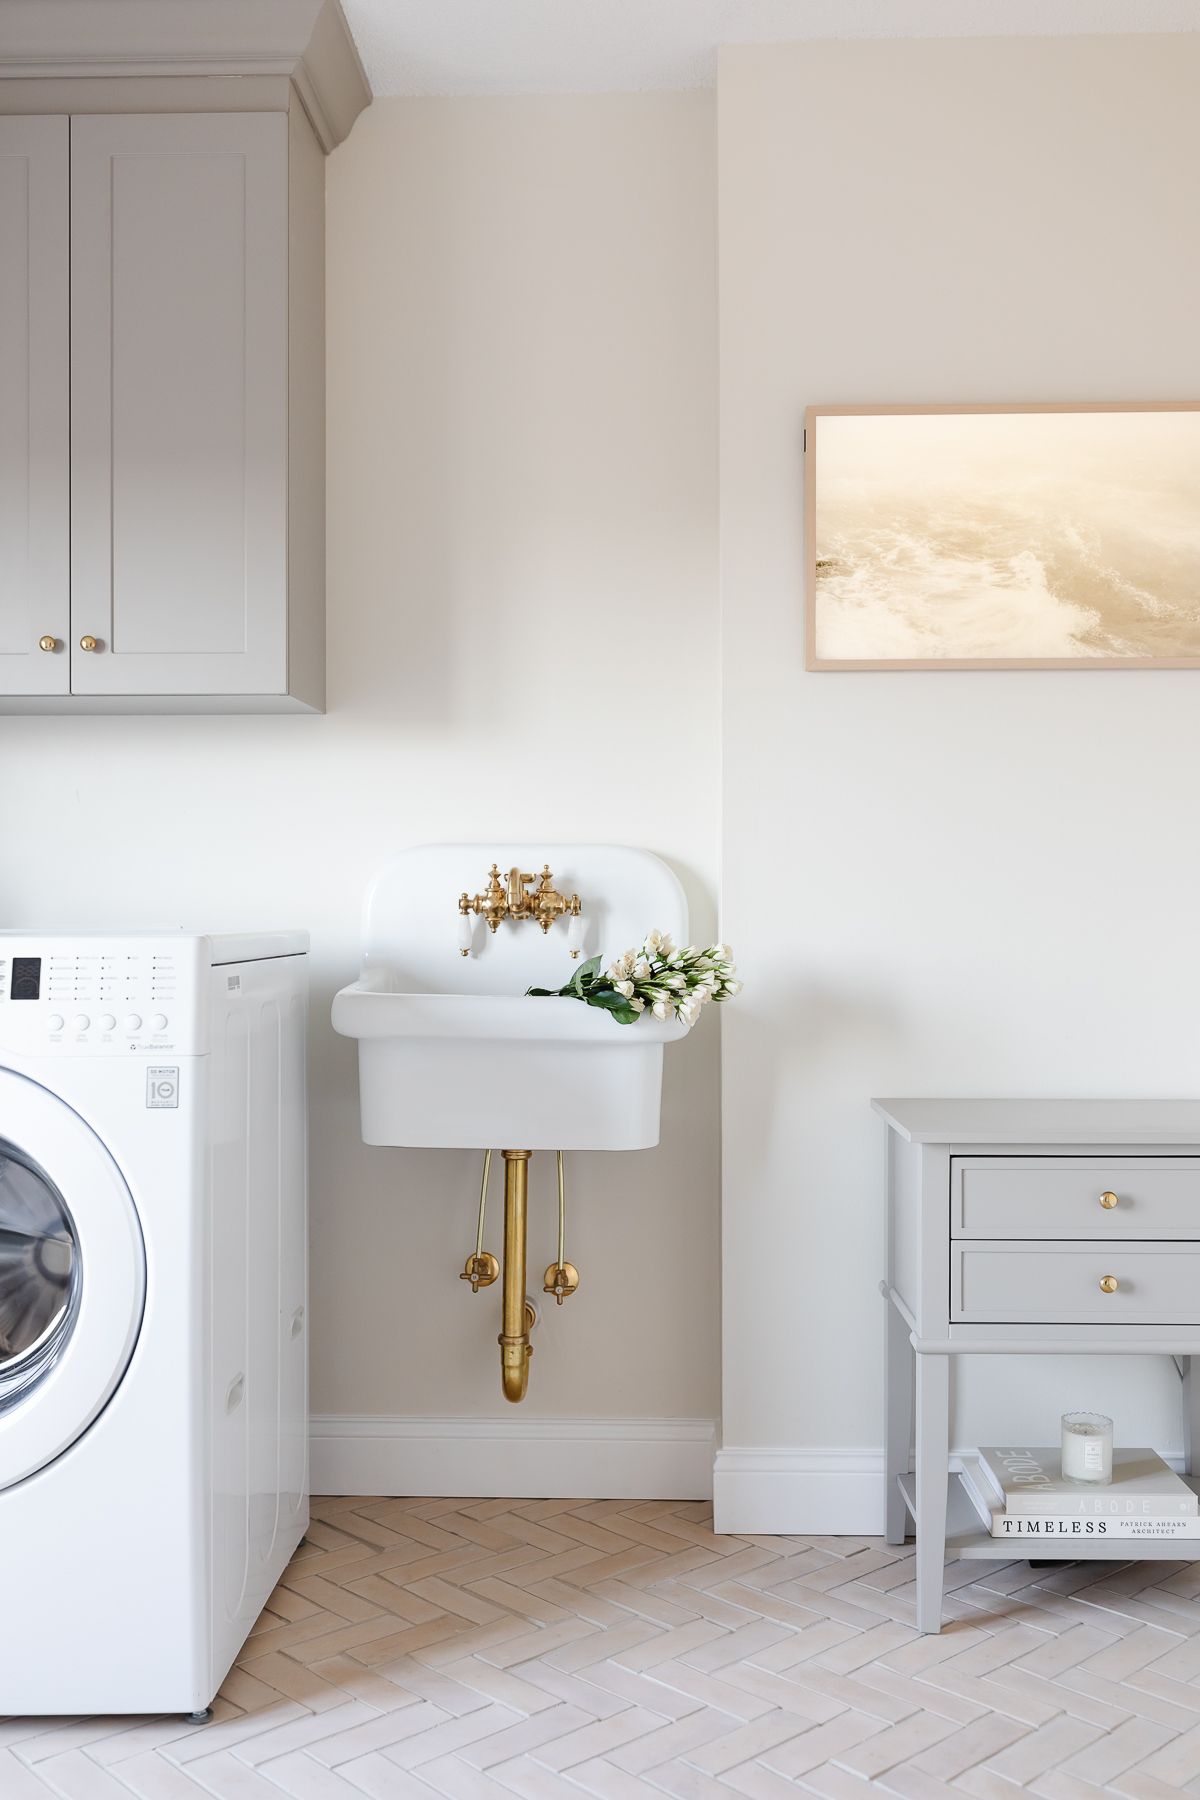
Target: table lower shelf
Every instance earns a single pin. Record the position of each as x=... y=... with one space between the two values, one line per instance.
x=965 y=1536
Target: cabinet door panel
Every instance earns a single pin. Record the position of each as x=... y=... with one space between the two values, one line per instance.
x=34 y=406
x=179 y=403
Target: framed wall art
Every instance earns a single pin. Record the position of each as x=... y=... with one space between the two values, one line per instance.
x=1003 y=537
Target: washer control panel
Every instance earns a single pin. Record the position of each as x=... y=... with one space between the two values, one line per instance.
x=82 y=995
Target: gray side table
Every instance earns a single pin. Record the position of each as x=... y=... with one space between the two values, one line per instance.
x=1019 y=1227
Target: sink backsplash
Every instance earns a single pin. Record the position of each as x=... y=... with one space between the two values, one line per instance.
x=411 y=921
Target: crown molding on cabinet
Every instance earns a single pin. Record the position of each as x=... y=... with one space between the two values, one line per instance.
x=329 y=77
x=306 y=40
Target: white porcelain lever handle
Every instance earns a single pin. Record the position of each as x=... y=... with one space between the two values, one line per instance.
x=576 y=932
x=465 y=923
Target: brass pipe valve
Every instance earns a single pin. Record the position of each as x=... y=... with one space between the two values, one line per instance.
x=561 y=1278
x=481 y=1270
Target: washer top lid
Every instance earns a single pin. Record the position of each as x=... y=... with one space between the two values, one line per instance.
x=218 y=948
x=255 y=946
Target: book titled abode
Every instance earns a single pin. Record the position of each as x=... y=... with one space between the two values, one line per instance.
x=1031 y=1482
x=1021 y=1493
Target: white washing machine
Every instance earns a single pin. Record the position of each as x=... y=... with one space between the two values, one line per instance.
x=153 y=1361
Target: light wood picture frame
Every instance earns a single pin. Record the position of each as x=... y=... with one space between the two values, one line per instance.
x=1042 y=536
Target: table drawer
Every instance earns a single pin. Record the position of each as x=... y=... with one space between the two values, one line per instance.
x=1073 y=1197
x=1059 y=1284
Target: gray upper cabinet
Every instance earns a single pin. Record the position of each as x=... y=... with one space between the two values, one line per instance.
x=35 y=417
x=184 y=319
x=179 y=292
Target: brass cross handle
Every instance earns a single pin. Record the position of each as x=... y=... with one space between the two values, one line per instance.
x=561 y=1279
x=481 y=1270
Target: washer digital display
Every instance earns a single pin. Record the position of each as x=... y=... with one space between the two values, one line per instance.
x=26 y=978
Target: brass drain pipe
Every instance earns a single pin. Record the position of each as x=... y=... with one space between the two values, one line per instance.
x=518 y=1316
x=518 y=1313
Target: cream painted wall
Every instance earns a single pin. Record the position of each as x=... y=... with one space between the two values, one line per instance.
x=522 y=643
x=940 y=883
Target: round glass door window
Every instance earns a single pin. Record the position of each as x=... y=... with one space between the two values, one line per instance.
x=39 y=1275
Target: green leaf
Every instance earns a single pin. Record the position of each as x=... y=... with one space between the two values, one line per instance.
x=584 y=976
x=613 y=1003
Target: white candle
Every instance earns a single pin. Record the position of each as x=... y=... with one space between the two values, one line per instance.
x=1087 y=1445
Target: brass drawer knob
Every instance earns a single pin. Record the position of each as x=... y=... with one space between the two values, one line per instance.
x=88 y=643
x=1108 y=1284
x=1108 y=1200
x=47 y=643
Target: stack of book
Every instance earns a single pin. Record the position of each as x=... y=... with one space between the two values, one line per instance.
x=1023 y=1494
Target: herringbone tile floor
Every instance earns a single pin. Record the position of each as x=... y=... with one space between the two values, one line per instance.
x=485 y=1649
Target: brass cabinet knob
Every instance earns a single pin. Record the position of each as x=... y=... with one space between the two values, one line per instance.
x=47 y=643
x=1108 y=1200
x=88 y=643
x=1108 y=1284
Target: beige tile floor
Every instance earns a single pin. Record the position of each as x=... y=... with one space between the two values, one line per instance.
x=483 y=1649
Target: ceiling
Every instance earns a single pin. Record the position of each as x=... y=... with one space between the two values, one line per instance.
x=602 y=46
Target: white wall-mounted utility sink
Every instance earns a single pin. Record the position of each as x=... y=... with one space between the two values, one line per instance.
x=451 y=1052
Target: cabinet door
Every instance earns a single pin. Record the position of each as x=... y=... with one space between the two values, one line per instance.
x=179 y=403
x=34 y=407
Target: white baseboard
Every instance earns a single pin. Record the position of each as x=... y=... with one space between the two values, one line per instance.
x=818 y=1493
x=828 y=1493
x=513 y=1457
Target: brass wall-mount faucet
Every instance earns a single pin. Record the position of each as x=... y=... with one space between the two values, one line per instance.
x=519 y=899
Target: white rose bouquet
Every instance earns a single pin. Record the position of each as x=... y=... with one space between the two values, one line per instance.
x=658 y=979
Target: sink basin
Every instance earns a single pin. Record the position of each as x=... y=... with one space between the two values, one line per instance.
x=453 y=1054
x=497 y=1070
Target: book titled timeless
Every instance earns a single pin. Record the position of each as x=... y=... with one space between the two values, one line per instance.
x=1062 y=1525
x=1080 y=1526
x=1031 y=1483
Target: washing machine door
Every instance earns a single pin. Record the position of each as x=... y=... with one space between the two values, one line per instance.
x=72 y=1276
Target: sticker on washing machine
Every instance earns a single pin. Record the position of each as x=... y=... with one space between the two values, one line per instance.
x=162 y=1087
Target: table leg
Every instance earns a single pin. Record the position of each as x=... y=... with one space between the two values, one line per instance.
x=898 y=1400
x=1191 y=1416
x=933 y=1455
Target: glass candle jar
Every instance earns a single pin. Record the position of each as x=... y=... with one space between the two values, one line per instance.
x=1087 y=1447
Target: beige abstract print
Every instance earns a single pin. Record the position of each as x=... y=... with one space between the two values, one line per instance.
x=1066 y=537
